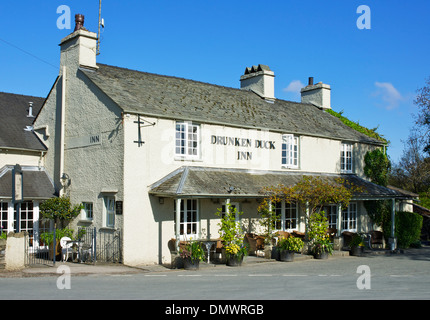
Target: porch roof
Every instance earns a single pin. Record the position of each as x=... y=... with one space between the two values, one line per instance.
x=36 y=184
x=204 y=182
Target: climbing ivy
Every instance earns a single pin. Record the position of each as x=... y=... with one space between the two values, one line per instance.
x=356 y=126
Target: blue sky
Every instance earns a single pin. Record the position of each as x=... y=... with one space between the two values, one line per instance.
x=374 y=73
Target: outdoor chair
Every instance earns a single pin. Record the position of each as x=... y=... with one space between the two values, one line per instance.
x=298 y=234
x=66 y=248
x=283 y=234
x=252 y=243
x=376 y=238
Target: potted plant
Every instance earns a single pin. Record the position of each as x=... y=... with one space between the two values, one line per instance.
x=319 y=241
x=234 y=254
x=356 y=245
x=192 y=254
x=288 y=246
x=48 y=239
x=232 y=236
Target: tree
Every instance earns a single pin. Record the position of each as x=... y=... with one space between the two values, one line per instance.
x=60 y=210
x=313 y=192
x=377 y=166
x=413 y=170
x=423 y=120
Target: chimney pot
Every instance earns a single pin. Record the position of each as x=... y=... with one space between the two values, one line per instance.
x=311 y=81
x=79 y=21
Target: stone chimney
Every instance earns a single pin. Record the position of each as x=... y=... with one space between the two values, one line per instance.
x=79 y=48
x=261 y=80
x=316 y=94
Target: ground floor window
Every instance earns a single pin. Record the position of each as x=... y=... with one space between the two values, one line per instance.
x=349 y=217
x=331 y=214
x=110 y=211
x=287 y=216
x=26 y=217
x=188 y=227
x=4 y=210
x=87 y=211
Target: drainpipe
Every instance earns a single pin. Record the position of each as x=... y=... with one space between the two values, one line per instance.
x=393 y=215
x=62 y=126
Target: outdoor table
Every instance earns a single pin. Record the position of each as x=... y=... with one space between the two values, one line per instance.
x=208 y=244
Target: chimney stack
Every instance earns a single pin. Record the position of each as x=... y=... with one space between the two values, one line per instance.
x=317 y=94
x=260 y=80
x=79 y=48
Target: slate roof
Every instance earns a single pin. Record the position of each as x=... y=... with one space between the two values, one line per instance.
x=13 y=120
x=37 y=184
x=201 y=182
x=181 y=99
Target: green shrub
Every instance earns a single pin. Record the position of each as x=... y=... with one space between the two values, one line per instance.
x=408 y=228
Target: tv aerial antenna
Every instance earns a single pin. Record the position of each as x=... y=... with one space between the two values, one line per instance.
x=101 y=25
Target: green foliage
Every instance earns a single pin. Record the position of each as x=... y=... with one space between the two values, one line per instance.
x=292 y=244
x=231 y=232
x=47 y=237
x=267 y=222
x=314 y=192
x=59 y=209
x=3 y=235
x=377 y=167
x=319 y=240
x=356 y=126
x=408 y=228
x=357 y=241
x=193 y=250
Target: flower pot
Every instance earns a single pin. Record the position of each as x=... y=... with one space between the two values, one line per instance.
x=356 y=251
x=321 y=255
x=234 y=261
x=191 y=264
x=286 y=256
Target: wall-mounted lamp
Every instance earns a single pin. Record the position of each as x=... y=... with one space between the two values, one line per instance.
x=65 y=180
x=161 y=200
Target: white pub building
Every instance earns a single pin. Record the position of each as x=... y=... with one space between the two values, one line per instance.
x=155 y=156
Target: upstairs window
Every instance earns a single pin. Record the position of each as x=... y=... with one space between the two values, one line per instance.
x=346 y=158
x=290 y=151
x=187 y=140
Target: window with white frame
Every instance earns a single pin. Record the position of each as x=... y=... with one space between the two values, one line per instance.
x=331 y=213
x=187 y=140
x=287 y=216
x=4 y=210
x=233 y=206
x=26 y=219
x=346 y=158
x=349 y=217
x=290 y=151
x=188 y=227
x=87 y=211
x=109 y=211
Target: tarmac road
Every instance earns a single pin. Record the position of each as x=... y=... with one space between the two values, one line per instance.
x=382 y=277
